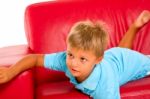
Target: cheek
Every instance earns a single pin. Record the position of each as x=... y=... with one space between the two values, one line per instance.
x=90 y=67
x=68 y=62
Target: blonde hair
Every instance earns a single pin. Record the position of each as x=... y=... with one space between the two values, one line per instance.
x=86 y=35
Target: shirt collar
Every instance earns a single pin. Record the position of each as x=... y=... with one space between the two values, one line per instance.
x=90 y=83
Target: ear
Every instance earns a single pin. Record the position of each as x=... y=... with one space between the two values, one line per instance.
x=99 y=59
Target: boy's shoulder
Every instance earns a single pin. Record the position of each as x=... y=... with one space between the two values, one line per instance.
x=118 y=51
x=114 y=49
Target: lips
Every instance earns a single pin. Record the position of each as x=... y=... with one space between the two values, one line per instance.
x=74 y=70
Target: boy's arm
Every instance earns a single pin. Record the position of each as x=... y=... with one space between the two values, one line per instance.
x=127 y=40
x=6 y=74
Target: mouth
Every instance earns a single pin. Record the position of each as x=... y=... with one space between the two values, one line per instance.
x=74 y=70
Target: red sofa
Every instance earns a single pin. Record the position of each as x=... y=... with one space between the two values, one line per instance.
x=47 y=25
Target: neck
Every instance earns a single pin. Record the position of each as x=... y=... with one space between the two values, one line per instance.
x=80 y=79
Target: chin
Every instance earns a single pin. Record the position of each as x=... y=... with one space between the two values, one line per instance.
x=75 y=74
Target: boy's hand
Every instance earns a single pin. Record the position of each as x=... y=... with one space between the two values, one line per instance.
x=142 y=19
x=5 y=74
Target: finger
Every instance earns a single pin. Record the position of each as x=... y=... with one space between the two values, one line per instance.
x=1 y=76
x=2 y=80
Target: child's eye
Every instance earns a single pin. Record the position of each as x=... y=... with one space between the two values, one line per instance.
x=70 y=55
x=83 y=59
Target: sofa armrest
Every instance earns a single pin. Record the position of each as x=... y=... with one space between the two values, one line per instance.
x=10 y=55
x=21 y=87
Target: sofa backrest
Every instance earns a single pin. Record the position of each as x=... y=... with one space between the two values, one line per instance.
x=47 y=24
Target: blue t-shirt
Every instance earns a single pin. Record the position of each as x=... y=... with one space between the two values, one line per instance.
x=118 y=66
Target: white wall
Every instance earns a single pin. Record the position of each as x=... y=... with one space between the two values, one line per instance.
x=12 y=21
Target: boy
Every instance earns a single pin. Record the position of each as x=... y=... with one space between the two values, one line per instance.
x=93 y=71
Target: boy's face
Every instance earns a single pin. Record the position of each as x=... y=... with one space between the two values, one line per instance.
x=80 y=62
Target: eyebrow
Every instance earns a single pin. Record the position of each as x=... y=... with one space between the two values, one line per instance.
x=68 y=51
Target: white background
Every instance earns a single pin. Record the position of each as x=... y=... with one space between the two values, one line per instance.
x=12 y=21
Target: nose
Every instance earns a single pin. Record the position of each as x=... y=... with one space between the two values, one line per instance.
x=75 y=63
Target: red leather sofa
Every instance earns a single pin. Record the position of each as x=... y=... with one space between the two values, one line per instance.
x=47 y=25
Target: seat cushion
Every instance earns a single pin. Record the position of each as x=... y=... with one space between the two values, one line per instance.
x=139 y=89
x=57 y=90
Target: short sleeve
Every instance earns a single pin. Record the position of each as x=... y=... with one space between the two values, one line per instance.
x=55 y=61
x=130 y=64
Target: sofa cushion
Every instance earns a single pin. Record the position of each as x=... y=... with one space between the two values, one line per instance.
x=47 y=24
x=139 y=89
x=56 y=90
